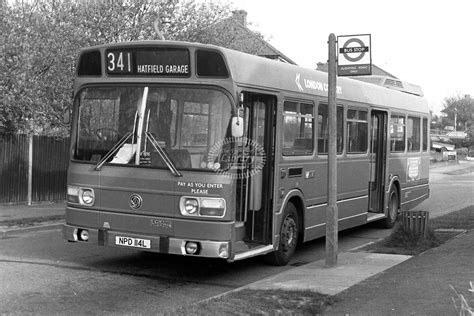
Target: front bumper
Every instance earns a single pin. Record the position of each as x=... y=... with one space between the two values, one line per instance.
x=161 y=244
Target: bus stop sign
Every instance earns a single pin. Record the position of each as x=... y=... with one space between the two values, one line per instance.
x=354 y=55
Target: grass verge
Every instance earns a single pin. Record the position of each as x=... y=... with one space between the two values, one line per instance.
x=261 y=302
x=404 y=242
x=32 y=221
x=462 y=219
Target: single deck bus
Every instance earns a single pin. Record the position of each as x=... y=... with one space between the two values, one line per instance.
x=196 y=150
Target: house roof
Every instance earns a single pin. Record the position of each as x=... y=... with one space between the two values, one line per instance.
x=239 y=21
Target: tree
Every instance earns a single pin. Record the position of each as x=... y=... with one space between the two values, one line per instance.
x=436 y=122
x=40 y=42
x=460 y=110
x=231 y=34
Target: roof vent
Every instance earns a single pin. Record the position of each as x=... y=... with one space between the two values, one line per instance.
x=392 y=83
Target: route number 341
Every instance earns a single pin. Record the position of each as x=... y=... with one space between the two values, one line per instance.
x=119 y=62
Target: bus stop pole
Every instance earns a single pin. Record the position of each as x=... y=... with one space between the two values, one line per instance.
x=332 y=210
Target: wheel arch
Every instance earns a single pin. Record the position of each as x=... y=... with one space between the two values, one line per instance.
x=296 y=197
x=393 y=184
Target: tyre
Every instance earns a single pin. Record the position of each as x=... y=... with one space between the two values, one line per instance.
x=393 y=209
x=288 y=238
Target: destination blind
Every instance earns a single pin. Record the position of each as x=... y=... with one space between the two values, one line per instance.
x=159 y=61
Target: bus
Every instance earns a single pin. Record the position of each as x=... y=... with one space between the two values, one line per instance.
x=197 y=150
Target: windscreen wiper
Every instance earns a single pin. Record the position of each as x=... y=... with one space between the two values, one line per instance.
x=112 y=151
x=163 y=154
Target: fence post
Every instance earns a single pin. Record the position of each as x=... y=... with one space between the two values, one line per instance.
x=30 y=168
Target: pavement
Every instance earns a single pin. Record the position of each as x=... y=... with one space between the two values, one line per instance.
x=363 y=283
x=428 y=284
x=21 y=218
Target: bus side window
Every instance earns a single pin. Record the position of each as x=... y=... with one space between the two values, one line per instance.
x=323 y=129
x=298 y=127
x=397 y=133
x=413 y=133
x=357 y=131
x=425 y=134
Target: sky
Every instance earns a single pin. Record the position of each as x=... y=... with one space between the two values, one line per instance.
x=428 y=43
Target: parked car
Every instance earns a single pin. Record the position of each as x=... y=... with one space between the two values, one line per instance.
x=441 y=143
x=456 y=135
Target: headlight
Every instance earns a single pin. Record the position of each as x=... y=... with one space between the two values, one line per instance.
x=202 y=206
x=79 y=195
x=191 y=206
x=87 y=196
x=188 y=206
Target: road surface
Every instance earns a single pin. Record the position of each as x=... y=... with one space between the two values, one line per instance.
x=40 y=273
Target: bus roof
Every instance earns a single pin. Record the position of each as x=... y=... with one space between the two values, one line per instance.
x=266 y=73
x=259 y=72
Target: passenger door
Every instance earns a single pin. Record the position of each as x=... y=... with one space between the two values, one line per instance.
x=255 y=184
x=378 y=157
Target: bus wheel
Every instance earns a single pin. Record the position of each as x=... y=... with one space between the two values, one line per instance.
x=392 y=212
x=288 y=238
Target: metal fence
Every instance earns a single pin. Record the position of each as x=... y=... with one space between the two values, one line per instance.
x=32 y=168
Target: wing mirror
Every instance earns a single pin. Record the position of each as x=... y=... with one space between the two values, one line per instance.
x=238 y=121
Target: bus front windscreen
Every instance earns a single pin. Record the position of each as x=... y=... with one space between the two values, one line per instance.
x=134 y=125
